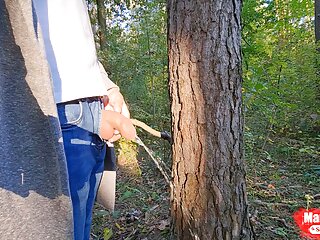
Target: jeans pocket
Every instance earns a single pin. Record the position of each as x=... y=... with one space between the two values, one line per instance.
x=70 y=114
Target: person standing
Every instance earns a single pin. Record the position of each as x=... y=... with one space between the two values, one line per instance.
x=78 y=90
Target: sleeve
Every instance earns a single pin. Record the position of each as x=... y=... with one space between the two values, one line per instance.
x=108 y=83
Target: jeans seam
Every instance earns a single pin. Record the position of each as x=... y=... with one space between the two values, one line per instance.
x=99 y=120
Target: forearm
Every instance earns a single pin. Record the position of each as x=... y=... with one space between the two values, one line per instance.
x=107 y=81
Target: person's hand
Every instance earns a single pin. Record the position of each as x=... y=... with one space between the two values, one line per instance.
x=114 y=101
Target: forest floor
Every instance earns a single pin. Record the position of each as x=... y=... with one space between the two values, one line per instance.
x=278 y=179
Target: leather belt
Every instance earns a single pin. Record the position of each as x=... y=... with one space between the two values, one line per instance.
x=88 y=99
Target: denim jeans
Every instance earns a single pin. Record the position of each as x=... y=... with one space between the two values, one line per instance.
x=85 y=153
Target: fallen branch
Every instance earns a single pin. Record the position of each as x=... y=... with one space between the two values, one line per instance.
x=259 y=202
x=282 y=221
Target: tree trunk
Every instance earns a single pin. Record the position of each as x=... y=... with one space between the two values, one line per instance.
x=317 y=19
x=101 y=12
x=209 y=194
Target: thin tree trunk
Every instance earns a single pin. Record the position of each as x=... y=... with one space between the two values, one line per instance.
x=101 y=12
x=317 y=19
x=209 y=195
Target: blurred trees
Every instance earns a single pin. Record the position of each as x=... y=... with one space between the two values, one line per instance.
x=279 y=66
x=135 y=54
x=279 y=70
x=281 y=93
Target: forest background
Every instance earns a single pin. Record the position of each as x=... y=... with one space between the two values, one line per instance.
x=281 y=99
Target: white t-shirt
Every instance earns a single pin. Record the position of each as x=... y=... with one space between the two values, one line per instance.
x=70 y=49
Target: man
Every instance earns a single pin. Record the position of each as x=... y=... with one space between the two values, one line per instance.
x=78 y=87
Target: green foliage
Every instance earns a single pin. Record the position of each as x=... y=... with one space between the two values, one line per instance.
x=127 y=157
x=136 y=57
x=107 y=233
x=281 y=95
x=281 y=84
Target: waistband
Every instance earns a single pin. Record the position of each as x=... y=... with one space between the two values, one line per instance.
x=76 y=101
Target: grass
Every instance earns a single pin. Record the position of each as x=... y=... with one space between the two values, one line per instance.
x=278 y=179
x=278 y=183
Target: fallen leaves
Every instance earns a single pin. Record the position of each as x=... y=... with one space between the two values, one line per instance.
x=164 y=224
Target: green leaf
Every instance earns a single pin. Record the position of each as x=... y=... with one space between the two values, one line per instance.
x=127 y=194
x=107 y=233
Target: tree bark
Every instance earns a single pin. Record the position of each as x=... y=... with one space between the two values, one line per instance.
x=101 y=12
x=209 y=191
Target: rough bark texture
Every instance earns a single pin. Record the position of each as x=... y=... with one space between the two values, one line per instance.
x=209 y=196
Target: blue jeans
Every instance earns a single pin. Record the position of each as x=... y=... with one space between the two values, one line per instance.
x=85 y=152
